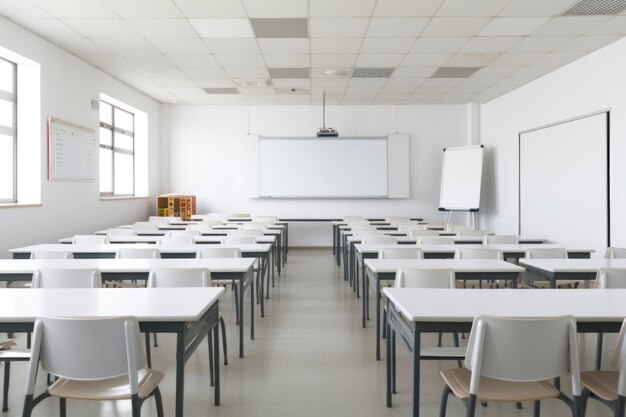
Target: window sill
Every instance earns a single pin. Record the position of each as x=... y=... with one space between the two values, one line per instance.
x=114 y=198
x=18 y=205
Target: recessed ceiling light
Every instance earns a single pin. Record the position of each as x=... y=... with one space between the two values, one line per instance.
x=335 y=72
x=252 y=83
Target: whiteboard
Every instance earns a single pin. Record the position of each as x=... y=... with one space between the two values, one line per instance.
x=71 y=151
x=461 y=177
x=322 y=167
x=563 y=183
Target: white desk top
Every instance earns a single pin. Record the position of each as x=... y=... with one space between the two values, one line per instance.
x=452 y=248
x=109 y=248
x=378 y=266
x=153 y=239
x=147 y=304
x=23 y=266
x=465 y=304
x=574 y=265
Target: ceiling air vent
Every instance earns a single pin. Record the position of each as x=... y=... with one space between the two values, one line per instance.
x=596 y=8
x=221 y=90
x=372 y=72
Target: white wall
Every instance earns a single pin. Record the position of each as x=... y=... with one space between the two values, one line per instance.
x=590 y=84
x=67 y=87
x=204 y=156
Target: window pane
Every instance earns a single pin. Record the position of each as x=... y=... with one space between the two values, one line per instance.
x=106 y=113
x=6 y=167
x=6 y=113
x=124 y=120
x=105 y=137
x=123 y=141
x=6 y=76
x=124 y=181
x=106 y=171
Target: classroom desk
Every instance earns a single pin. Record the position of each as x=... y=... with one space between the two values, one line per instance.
x=190 y=313
x=412 y=311
x=570 y=269
x=378 y=270
x=237 y=269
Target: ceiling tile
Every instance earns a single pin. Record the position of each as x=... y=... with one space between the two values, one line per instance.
x=193 y=60
x=241 y=61
x=406 y=7
x=515 y=59
x=180 y=46
x=405 y=82
x=125 y=45
x=285 y=73
x=182 y=90
x=533 y=71
x=471 y=8
x=587 y=43
x=378 y=60
x=284 y=46
x=343 y=8
x=423 y=72
x=480 y=81
x=438 y=45
x=277 y=8
x=280 y=28
x=204 y=72
x=540 y=43
x=334 y=60
x=102 y=28
x=77 y=45
x=454 y=26
x=175 y=82
x=512 y=26
x=537 y=7
x=367 y=82
x=397 y=89
x=247 y=72
x=287 y=61
x=102 y=60
x=211 y=8
x=362 y=90
x=233 y=46
x=147 y=60
x=163 y=73
x=336 y=46
x=24 y=9
x=48 y=28
x=386 y=45
x=490 y=44
x=291 y=82
x=495 y=72
x=144 y=8
x=466 y=89
x=223 y=28
x=338 y=27
x=446 y=75
x=425 y=60
x=329 y=82
x=570 y=25
x=256 y=90
x=163 y=28
x=615 y=26
x=557 y=59
x=470 y=60
x=396 y=27
x=64 y=9
x=215 y=83
x=432 y=89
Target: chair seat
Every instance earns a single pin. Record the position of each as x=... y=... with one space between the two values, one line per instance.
x=458 y=379
x=444 y=352
x=602 y=383
x=107 y=389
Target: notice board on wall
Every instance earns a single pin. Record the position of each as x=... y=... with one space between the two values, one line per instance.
x=71 y=151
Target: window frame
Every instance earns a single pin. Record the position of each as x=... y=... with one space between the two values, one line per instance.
x=113 y=128
x=5 y=130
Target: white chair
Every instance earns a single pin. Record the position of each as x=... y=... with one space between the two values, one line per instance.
x=220 y=252
x=183 y=278
x=414 y=234
x=400 y=253
x=615 y=253
x=91 y=239
x=187 y=233
x=218 y=216
x=239 y=240
x=201 y=228
x=500 y=240
x=538 y=281
x=513 y=360
x=176 y=240
x=368 y=232
x=121 y=231
x=208 y=222
x=139 y=226
x=164 y=219
x=611 y=278
x=246 y=232
x=379 y=240
x=463 y=232
x=43 y=254
x=435 y=240
x=67 y=278
x=355 y=227
x=240 y=215
x=353 y=218
x=609 y=387
x=467 y=253
x=260 y=226
x=406 y=228
x=271 y=219
x=137 y=253
x=94 y=359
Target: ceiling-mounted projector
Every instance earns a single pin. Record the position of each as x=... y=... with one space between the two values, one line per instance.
x=326 y=132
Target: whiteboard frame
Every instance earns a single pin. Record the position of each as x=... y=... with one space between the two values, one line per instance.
x=443 y=167
x=52 y=176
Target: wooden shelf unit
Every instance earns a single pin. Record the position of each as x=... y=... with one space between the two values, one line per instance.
x=176 y=205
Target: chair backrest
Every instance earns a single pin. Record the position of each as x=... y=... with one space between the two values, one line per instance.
x=379 y=240
x=218 y=216
x=467 y=253
x=435 y=240
x=207 y=222
x=137 y=253
x=414 y=234
x=240 y=215
x=400 y=253
x=618 y=360
x=87 y=349
x=176 y=240
x=546 y=253
x=164 y=219
x=239 y=240
x=91 y=239
x=499 y=239
x=188 y=233
x=255 y=226
x=424 y=278
x=200 y=228
x=611 y=278
x=463 y=232
x=615 y=253
x=217 y=252
x=406 y=228
x=245 y=232
x=43 y=254
x=514 y=349
x=372 y=232
x=121 y=231
x=361 y=227
x=178 y=278
x=145 y=226
x=271 y=219
x=67 y=278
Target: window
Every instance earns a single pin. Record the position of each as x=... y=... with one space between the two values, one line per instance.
x=117 y=151
x=8 y=131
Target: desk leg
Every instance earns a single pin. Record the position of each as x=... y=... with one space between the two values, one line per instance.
x=180 y=371
x=378 y=320
x=365 y=297
x=242 y=289
x=388 y=357
x=286 y=240
x=355 y=266
x=416 y=371
x=279 y=249
x=337 y=237
x=334 y=239
x=251 y=312
x=216 y=358
x=267 y=268
x=273 y=264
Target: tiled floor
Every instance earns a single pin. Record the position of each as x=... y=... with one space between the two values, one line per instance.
x=310 y=358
